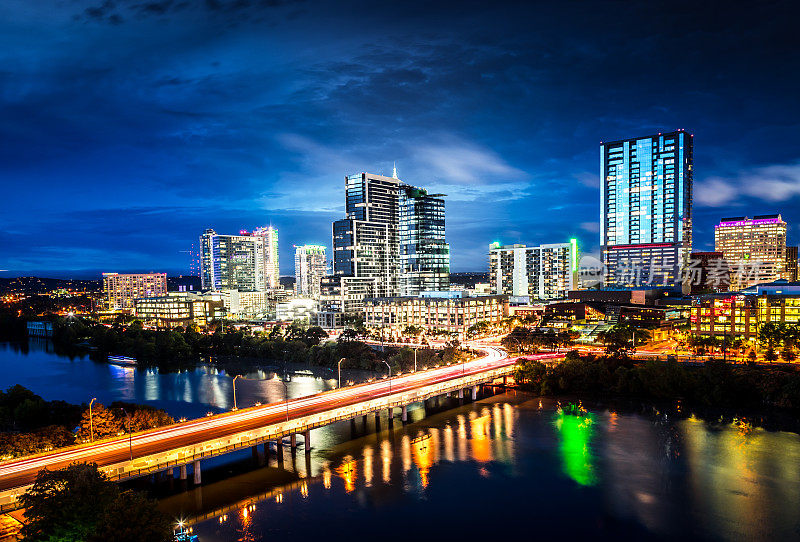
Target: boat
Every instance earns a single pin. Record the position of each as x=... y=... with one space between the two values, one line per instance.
x=122 y=360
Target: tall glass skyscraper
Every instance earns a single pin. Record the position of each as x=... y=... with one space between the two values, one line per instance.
x=310 y=265
x=394 y=235
x=424 y=254
x=646 y=209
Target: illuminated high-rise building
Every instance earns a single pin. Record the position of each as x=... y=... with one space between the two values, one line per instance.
x=646 y=208
x=755 y=248
x=121 y=290
x=245 y=262
x=424 y=254
x=393 y=237
x=310 y=265
x=542 y=272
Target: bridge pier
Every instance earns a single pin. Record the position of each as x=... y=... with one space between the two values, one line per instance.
x=505 y=381
x=197 y=473
x=293 y=441
x=461 y=394
x=183 y=472
x=404 y=415
x=307 y=440
x=377 y=421
x=474 y=392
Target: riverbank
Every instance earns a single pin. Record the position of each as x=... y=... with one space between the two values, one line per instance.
x=714 y=383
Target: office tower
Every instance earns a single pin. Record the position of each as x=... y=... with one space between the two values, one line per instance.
x=646 y=209
x=791 y=263
x=245 y=262
x=755 y=248
x=424 y=254
x=310 y=266
x=272 y=270
x=385 y=216
x=542 y=272
x=121 y=290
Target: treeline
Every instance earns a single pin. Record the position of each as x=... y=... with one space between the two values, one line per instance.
x=713 y=383
x=29 y=424
x=180 y=348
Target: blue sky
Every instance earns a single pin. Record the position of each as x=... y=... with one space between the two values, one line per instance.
x=128 y=127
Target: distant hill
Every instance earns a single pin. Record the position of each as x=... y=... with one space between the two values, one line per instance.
x=40 y=285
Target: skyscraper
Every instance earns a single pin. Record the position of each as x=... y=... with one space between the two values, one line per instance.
x=310 y=265
x=424 y=254
x=646 y=208
x=245 y=262
x=392 y=238
x=542 y=272
x=755 y=248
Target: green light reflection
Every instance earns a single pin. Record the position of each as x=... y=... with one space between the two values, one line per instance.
x=576 y=433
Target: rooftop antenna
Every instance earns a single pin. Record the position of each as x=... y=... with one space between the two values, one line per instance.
x=394 y=171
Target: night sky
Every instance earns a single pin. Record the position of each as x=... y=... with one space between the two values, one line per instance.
x=128 y=127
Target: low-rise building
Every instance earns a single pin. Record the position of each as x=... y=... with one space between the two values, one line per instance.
x=298 y=309
x=452 y=314
x=180 y=309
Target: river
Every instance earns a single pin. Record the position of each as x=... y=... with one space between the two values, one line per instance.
x=507 y=465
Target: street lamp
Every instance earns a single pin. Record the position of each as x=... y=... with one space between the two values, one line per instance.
x=390 y=375
x=234 y=392
x=339 y=380
x=415 y=360
x=130 y=435
x=91 y=423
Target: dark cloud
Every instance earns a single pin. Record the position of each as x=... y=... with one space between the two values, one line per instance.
x=128 y=131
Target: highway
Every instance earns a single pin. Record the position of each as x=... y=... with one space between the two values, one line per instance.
x=22 y=472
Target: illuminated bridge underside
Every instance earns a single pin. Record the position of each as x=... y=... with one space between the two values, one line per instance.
x=181 y=444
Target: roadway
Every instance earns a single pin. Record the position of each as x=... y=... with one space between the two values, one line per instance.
x=22 y=472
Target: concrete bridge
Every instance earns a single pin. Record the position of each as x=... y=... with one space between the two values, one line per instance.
x=185 y=445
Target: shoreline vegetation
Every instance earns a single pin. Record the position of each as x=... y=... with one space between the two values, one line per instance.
x=31 y=425
x=237 y=351
x=617 y=376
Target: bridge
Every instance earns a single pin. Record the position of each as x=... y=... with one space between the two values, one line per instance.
x=188 y=443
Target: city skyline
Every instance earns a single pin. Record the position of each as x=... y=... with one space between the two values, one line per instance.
x=135 y=149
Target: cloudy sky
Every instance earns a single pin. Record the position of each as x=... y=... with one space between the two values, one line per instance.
x=129 y=126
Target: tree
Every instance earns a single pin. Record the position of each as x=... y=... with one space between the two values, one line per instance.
x=102 y=423
x=131 y=516
x=78 y=503
x=314 y=335
x=64 y=504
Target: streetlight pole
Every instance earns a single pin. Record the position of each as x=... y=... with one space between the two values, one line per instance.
x=390 y=375
x=339 y=380
x=234 y=392
x=415 y=360
x=91 y=423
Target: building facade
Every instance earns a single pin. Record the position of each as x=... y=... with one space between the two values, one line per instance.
x=247 y=262
x=392 y=237
x=180 y=309
x=541 y=272
x=755 y=248
x=310 y=265
x=424 y=254
x=120 y=290
x=453 y=314
x=646 y=209
x=791 y=263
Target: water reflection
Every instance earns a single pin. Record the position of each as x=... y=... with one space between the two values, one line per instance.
x=575 y=447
